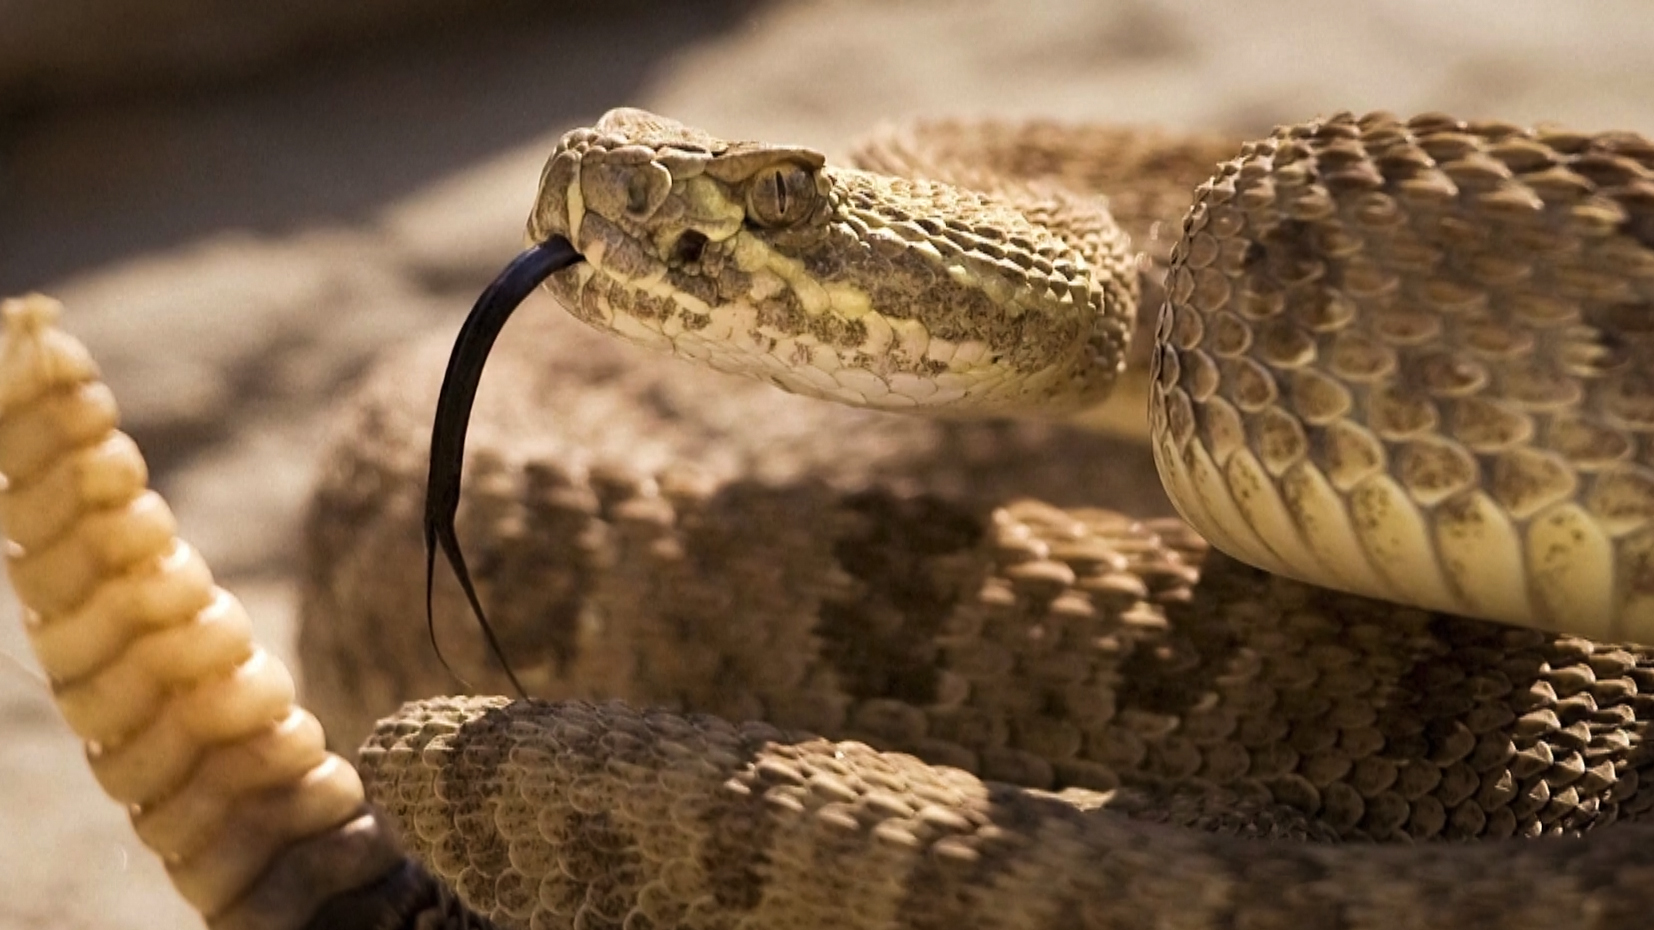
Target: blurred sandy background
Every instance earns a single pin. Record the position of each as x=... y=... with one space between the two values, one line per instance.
x=242 y=207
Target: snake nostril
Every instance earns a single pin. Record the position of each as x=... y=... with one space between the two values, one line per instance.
x=687 y=250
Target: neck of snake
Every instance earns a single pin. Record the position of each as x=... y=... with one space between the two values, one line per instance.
x=1124 y=413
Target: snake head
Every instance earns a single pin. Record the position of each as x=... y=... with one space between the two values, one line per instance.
x=764 y=260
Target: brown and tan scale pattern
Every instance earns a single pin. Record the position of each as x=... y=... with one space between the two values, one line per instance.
x=1403 y=359
x=582 y=815
x=1142 y=174
x=1412 y=358
x=832 y=304
x=1075 y=649
x=1063 y=649
x=1133 y=683
x=665 y=525
x=1068 y=649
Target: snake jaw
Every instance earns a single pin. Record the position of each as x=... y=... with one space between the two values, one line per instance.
x=762 y=260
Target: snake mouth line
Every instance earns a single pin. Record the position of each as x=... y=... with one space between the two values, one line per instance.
x=453 y=416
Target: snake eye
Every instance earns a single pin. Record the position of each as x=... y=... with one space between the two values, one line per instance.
x=781 y=196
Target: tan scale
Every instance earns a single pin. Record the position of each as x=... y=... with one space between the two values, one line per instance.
x=675 y=260
x=631 y=541
x=1388 y=348
x=1464 y=286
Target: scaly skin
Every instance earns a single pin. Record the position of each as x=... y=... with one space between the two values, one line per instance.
x=1403 y=358
x=1375 y=720
x=1066 y=649
x=602 y=816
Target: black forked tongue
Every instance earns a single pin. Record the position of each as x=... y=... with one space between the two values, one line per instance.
x=453 y=416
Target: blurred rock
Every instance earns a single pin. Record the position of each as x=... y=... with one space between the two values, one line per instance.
x=248 y=305
x=54 y=49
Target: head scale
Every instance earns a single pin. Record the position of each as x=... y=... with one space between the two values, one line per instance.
x=763 y=260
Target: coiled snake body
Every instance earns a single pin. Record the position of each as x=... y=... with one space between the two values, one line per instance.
x=1399 y=359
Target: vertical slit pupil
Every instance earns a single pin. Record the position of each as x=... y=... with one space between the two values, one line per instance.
x=780 y=181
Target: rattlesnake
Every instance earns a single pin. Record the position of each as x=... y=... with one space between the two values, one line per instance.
x=1073 y=649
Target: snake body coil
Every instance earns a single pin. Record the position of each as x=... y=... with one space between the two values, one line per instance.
x=1412 y=360
x=1392 y=352
x=1406 y=359
x=1390 y=349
